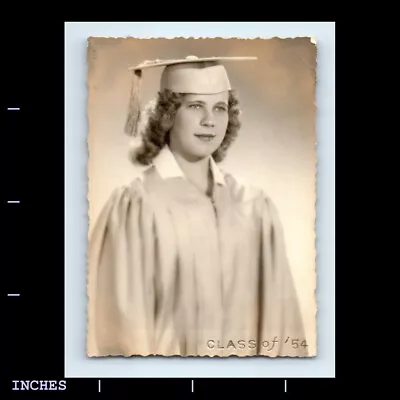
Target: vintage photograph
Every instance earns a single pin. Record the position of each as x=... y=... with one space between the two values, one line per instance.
x=201 y=197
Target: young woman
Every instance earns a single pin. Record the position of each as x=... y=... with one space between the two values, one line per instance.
x=187 y=260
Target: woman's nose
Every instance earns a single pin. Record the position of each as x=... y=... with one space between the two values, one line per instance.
x=208 y=120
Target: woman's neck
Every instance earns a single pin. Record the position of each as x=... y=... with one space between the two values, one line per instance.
x=198 y=172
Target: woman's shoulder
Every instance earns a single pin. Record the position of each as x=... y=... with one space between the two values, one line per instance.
x=133 y=190
x=123 y=200
x=242 y=188
x=244 y=192
x=126 y=202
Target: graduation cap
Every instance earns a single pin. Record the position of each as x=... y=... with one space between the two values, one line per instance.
x=189 y=75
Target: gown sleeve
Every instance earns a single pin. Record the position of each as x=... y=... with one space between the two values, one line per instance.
x=281 y=323
x=120 y=276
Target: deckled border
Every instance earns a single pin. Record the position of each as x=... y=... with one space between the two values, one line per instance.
x=90 y=42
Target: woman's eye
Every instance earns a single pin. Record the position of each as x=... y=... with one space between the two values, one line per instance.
x=195 y=106
x=221 y=109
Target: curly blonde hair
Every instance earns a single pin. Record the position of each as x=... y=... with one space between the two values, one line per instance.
x=160 y=121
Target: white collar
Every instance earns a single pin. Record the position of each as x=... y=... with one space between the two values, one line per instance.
x=168 y=167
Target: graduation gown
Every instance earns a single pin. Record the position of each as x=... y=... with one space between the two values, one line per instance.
x=173 y=272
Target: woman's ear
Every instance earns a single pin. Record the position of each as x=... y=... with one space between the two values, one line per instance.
x=167 y=122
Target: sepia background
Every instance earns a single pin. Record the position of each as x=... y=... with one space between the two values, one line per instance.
x=275 y=149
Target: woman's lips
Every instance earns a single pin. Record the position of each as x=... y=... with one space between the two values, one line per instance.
x=205 y=137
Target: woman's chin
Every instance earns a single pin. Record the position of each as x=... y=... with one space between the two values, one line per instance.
x=202 y=151
x=198 y=155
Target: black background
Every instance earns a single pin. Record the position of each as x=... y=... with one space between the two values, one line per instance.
x=32 y=165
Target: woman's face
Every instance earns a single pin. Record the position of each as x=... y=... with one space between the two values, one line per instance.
x=200 y=125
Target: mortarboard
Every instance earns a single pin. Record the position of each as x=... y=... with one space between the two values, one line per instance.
x=188 y=75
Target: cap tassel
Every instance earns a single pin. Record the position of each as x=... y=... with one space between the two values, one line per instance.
x=133 y=116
